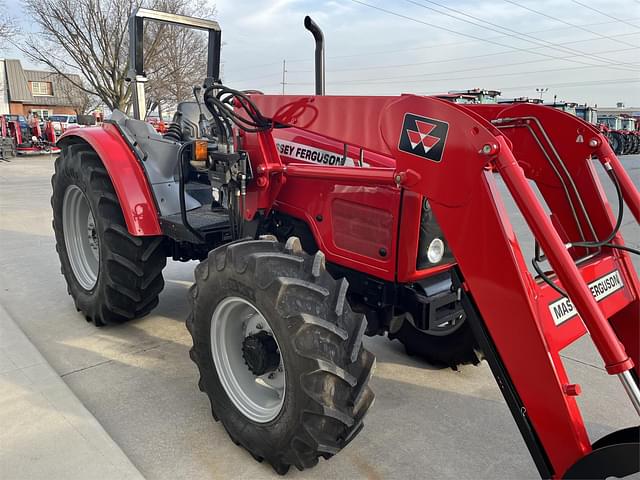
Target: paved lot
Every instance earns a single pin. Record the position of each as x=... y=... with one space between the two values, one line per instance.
x=46 y=431
x=139 y=383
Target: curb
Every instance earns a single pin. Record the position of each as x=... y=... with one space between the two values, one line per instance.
x=46 y=431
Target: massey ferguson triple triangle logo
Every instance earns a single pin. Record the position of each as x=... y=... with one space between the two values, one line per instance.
x=423 y=137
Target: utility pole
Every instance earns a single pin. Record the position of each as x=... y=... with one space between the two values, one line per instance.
x=284 y=72
x=542 y=91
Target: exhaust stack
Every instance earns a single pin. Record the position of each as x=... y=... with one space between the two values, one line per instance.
x=313 y=27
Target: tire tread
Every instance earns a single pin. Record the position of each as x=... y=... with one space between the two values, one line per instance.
x=330 y=383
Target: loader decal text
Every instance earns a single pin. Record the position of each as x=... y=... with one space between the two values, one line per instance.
x=300 y=151
x=563 y=309
x=423 y=137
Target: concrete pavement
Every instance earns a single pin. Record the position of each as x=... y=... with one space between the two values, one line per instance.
x=46 y=431
x=138 y=382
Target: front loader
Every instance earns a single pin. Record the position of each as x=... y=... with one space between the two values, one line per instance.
x=320 y=219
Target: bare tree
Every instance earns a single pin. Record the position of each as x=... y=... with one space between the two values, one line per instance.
x=180 y=60
x=7 y=29
x=90 y=37
x=81 y=101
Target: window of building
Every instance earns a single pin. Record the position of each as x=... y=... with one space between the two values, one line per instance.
x=41 y=88
x=43 y=114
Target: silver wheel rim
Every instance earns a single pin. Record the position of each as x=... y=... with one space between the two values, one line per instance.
x=259 y=398
x=80 y=237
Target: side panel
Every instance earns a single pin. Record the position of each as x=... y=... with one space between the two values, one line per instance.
x=129 y=180
x=354 y=225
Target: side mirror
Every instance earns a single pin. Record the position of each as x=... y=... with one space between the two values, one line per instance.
x=86 y=120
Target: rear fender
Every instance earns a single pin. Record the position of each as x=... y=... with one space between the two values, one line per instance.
x=128 y=178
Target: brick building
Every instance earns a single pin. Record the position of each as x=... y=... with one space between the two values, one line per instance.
x=40 y=91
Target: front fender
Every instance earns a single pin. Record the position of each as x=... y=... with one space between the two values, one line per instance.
x=128 y=178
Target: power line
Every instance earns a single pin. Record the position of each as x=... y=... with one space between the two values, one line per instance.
x=431 y=74
x=564 y=22
x=445 y=60
x=447 y=72
x=612 y=81
x=617 y=81
x=390 y=12
x=468 y=57
x=603 y=13
x=578 y=84
x=427 y=47
x=518 y=35
x=430 y=79
x=261 y=77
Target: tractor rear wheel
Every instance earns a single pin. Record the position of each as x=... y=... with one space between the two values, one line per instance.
x=626 y=144
x=111 y=275
x=635 y=149
x=616 y=141
x=279 y=351
x=458 y=347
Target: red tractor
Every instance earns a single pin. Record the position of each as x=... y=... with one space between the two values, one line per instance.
x=631 y=135
x=320 y=219
x=622 y=133
x=34 y=140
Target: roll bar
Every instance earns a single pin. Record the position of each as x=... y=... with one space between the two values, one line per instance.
x=137 y=74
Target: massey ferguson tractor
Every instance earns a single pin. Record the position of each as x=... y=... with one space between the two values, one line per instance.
x=631 y=135
x=320 y=219
x=622 y=132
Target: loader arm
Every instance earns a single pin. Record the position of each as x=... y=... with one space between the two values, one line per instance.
x=441 y=151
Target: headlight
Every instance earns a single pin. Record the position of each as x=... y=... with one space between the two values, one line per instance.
x=435 y=252
x=433 y=249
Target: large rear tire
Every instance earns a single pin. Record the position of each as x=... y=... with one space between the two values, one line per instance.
x=291 y=386
x=111 y=275
x=635 y=149
x=616 y=143
x=627 y=143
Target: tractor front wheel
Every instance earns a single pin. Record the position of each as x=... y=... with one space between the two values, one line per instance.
x=279 y=351
x=111 y=275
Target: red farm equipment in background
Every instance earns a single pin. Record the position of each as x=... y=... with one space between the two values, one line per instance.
x=622 y=133
x=320 y=219
x=159 y=126
x=35 y=140
x=7 y=143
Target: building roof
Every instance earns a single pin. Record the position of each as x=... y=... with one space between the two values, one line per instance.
x=18 y=82
x=613 y=111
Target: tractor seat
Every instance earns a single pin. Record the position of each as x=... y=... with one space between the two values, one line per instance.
x=189 y=113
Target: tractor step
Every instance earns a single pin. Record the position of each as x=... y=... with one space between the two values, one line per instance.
x=204 y=221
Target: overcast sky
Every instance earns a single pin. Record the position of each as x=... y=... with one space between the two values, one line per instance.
x=407 y=46
x=582 y=53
